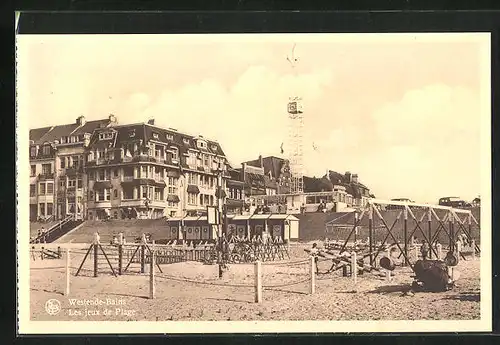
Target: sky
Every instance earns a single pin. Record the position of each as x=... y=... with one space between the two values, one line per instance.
x=401 y=111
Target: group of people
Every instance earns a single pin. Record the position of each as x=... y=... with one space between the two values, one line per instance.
x=41 y=236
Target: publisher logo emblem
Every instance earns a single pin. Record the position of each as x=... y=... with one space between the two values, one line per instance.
x=52 y=307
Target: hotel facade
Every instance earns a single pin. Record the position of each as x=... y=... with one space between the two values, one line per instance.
x=144 y=171
x=100 y=169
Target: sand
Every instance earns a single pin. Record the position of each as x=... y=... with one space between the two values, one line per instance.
x=192 y=291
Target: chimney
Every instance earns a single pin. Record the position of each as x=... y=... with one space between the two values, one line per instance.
x=348 y=177
x=112 y=118
x=80 y=121
x=151 y=122
x=261 y=162
x=355 y=178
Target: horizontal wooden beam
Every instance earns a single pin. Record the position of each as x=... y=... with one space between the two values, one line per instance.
x=414 y=204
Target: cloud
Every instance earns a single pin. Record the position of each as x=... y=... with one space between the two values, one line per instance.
x=407 y=120
x=248 y=117
x=428 y=145
x=434 y=115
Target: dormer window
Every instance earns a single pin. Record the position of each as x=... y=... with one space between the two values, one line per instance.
x=63 y=140
x=46 y=150
x=33 y=151
x=170 y=137
x=155 y=136
x=105 y=136
x=202 y=144
x=214 y=147
x=131 y=133
x=186 y=141
x=175 y=153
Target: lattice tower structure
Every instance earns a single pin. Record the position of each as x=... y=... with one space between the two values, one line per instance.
x=295 y=144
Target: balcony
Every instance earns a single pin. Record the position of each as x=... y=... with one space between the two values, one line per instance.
x=141 y=203
x=102 y=204
x=46 y=176
x=129 y=178
x=72 y=171
x=143 y=158
x=132 y=203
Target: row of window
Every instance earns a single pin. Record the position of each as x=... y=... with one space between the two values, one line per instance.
x=72 y=183
x=142 y=192
x=46 y=150
x=72 y=162
x=46 y=169
x=44 y=188
x=46 y=209
x=201 y=180
x=47 y=188
x=72 y=139
x=235 y=193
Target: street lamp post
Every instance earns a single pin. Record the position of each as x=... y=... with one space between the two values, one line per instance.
x=220 y=207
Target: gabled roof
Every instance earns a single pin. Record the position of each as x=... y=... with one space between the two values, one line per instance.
x=90 y=126
x=314 y=184
x=37 y=133
x=57 y=132
x=270 y=164
x=353 y=188
x=49 y=134
x=171 y=138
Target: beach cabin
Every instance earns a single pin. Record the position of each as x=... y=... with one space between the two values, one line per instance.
x=271 y=226
x=264 y=225
x=188 y=228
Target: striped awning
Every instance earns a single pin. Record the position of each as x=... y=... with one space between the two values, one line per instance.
x=193 y=189
x=160 y=183
x=173 y=198
x=173 y=173
x=102 y=184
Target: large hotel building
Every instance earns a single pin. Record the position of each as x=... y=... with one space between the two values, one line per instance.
x=99 y=169
x=103 y=170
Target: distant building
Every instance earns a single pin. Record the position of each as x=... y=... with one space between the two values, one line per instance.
x=144 y=171
x=57 y=175
x=268 y=183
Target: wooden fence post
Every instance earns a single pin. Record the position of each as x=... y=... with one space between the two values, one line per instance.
x=152 y=287
x=354 y=269
x=120 y=253
x=388 y=275
x=96 y=247
x=68 y=273
x=258 y=282
x=143 y=252
x=312 y=268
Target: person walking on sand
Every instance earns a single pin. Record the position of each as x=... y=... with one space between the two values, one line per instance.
x=44 y=233
x=424 y=250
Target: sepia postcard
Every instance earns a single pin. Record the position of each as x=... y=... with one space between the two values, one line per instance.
x=253 y=183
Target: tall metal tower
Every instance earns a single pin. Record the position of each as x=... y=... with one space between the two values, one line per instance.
x=295 y=134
